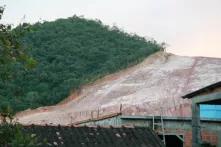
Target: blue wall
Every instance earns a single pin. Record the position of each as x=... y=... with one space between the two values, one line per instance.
x=210 y=111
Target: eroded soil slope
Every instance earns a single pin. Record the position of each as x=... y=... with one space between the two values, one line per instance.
x=151 y=88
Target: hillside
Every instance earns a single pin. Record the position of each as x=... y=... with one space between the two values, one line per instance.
x=148 y=88
x=70 y=53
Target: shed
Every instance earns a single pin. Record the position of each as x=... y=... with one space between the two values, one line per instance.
x=210 y=94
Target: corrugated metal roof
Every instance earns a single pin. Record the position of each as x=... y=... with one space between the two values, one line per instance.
x=70 y=136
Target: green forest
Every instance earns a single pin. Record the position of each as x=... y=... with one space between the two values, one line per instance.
x=70 y=53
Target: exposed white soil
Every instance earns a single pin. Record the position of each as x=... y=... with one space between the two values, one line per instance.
x=152 y=87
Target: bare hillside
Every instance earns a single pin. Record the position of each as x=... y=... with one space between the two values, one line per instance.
x=155 y=86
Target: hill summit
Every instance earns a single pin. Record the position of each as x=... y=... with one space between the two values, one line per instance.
x=70 y=53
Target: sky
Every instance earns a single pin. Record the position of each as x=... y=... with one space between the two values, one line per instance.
x=189 y=27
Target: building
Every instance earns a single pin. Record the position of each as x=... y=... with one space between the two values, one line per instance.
x=208 y=95
x=178 y=131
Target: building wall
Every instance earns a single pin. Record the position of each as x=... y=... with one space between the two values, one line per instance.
x=210 y=111
x=207 y=136
x=210 y=128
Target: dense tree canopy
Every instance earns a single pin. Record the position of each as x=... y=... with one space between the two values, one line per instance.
x=70 y=52
x=11 y=53
x=11 y=50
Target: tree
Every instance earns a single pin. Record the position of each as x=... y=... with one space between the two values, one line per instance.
x=11 y=50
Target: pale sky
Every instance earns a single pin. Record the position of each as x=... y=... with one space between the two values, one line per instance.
x=189 y=27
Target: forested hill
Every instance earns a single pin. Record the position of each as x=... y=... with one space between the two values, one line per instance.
x=71 y=52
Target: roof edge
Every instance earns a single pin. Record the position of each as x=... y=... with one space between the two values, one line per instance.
x=204 y=89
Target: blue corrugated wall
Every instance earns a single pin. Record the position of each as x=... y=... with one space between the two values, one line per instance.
x=210 y=111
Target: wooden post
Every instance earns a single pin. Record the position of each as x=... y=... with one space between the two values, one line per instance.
x=98 y=111
x=92 y=118
x=120 y=108
x=196 y=137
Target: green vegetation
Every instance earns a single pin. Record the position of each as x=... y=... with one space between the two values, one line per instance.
x=70 y=52
x=11 y=54
x=13 y=134
x=11 y=51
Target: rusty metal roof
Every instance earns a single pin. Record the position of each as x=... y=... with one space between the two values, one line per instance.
x=96 y=136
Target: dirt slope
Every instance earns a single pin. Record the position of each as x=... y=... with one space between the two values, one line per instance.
x=151 y=88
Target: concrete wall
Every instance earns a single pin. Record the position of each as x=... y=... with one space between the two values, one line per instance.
x=210 y=128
